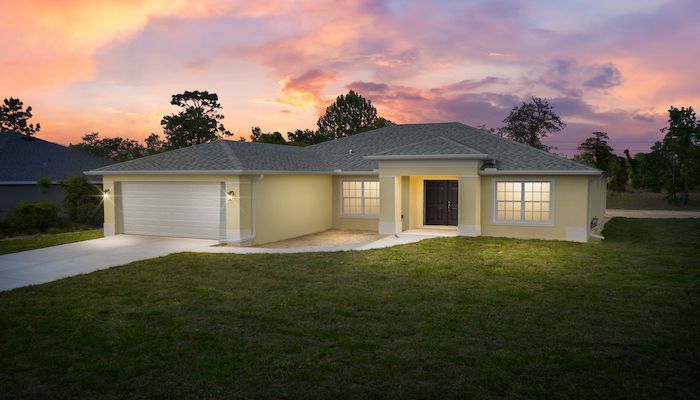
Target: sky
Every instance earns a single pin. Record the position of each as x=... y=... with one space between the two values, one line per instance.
x=111 y=66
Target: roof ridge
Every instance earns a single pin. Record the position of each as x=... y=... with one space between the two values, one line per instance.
x=405 y=145
x=460 y=144
x=229 y=153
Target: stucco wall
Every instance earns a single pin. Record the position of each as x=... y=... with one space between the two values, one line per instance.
x=288 y=206
x=597 y=192
x=350 y=223
x=570 y=209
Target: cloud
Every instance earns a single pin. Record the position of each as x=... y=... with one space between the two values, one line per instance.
x=52 y=41
x=451 y=102
x=304 y=90
x=570 y=78
x=604 y=77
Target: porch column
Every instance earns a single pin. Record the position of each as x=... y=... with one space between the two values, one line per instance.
x=389 y=205
x=109 y=204
x=239 y=211
x=469 y=206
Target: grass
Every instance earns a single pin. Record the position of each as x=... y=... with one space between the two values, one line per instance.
x=649 y=201
x=46 y=240
x=443 y=318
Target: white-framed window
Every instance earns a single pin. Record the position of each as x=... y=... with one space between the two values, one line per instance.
x=524 y=202
x=359 y=198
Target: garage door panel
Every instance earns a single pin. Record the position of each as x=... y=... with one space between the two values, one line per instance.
x=181 y=209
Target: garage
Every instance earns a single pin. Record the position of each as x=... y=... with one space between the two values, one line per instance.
x=177 y=209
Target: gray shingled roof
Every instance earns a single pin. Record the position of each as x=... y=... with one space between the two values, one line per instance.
x=25 y=159
x=431 y=146
x=349 y=154
x=227 y=155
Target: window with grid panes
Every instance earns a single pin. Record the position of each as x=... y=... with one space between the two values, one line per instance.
x=523 y=202
x=360 y=198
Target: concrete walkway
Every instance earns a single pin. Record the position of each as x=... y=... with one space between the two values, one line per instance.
x=387 y=241
x=651 y=213
x=51 y=263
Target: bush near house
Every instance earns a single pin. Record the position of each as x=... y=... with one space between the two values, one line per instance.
x=82 y=202
x=82 y=209
x=31 y=217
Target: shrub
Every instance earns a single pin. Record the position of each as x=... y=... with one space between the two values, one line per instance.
x=31 y=217
x=82 y=202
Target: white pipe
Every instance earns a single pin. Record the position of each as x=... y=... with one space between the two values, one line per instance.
x=253 y=209
x=597 y=236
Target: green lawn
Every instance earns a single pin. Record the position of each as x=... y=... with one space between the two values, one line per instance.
x=443 y=318
x=39 y=241
x=649 y=201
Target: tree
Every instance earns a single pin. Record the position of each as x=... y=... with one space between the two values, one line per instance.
x=154 y=144
x=595 y=151
x=116 y=148
x=680 y=152
x=305 y=137
x=617 y=174
x=530 y=122
x=647 y=169
x=198 y=122
x=348 y=115
x=13 y=118
x=82 y=201
x=258 y=136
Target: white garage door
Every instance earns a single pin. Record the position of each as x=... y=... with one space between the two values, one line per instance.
x=178 y=209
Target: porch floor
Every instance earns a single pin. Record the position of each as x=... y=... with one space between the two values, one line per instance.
x=436 y=232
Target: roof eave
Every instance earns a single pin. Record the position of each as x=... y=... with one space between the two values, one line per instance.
x=228 y=172
x=577 y=172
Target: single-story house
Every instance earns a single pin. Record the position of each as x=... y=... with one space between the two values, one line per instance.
x=404 y=177
x=24 y=160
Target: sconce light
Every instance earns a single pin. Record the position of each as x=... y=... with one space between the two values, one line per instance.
x=105 y=194
x=229 y=195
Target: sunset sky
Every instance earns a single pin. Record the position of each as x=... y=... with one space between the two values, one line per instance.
x=110 y=66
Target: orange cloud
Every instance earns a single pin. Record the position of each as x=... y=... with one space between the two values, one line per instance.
x=52 y=40
x=304 y=90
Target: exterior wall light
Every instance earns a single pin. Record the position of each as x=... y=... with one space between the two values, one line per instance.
x=105 y=194
x=229 y=195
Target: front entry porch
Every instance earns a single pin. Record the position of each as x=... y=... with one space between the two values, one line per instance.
x=426 y=201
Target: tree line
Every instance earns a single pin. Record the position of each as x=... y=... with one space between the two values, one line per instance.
x=672 y=165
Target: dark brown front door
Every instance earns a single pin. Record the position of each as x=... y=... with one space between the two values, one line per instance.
x=441 y=202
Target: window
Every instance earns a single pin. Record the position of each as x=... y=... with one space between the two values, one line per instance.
x=360 y=198
x=524 y=202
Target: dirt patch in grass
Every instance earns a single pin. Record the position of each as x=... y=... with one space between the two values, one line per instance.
x=329 y=238
x=649 y=201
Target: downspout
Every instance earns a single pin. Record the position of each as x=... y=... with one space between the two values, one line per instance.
x=253 y=209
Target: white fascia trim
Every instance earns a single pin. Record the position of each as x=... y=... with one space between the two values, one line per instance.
x=541 y=172
x=230 y=172
x=430 y=157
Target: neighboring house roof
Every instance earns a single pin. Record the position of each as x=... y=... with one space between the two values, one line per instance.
x=24 y=160
x=356 y=153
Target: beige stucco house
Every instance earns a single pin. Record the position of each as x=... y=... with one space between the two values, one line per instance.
x=404 y=177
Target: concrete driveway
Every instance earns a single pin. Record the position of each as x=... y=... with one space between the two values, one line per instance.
x=51 y=263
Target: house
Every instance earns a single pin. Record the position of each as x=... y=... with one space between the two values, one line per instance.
x=404 y=177
x=24 y=160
